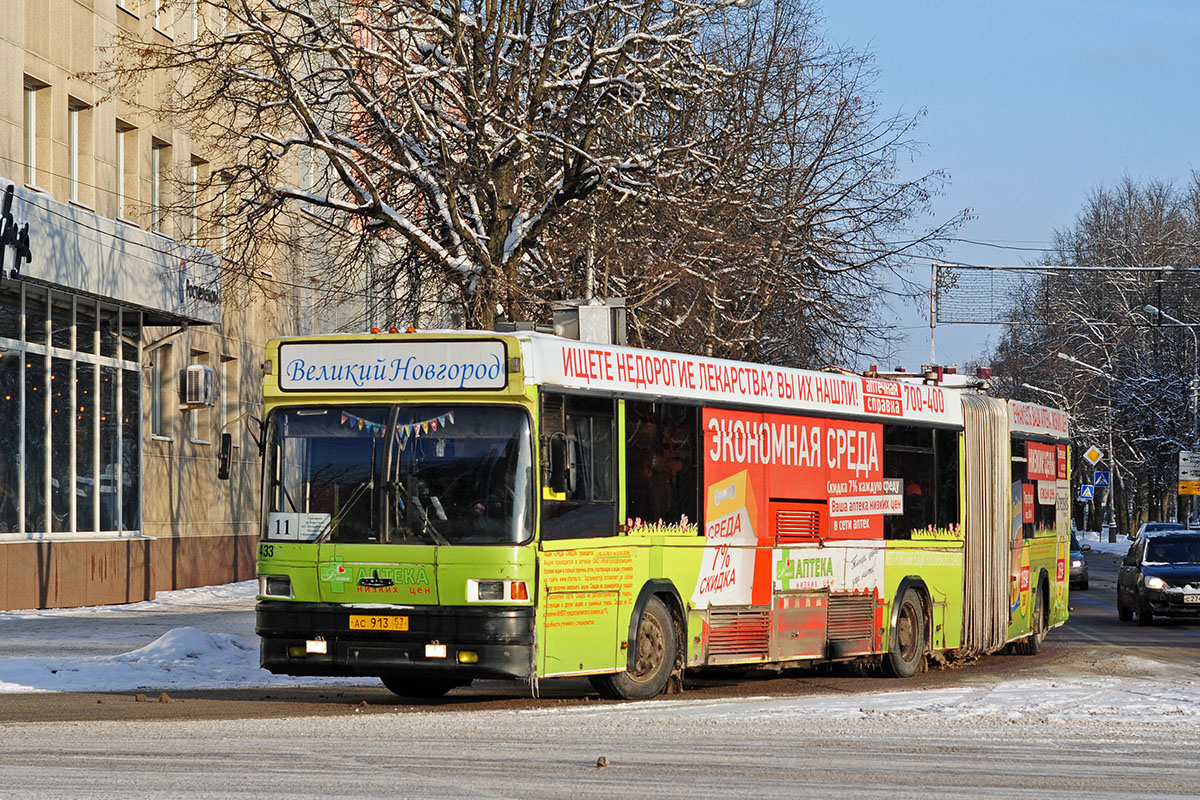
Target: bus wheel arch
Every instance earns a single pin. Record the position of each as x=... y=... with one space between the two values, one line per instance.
x=656 y=625
x=1039 y=620
x=909 y=630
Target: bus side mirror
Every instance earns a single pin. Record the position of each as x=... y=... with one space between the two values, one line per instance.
x=225 y=456
x=561 y=478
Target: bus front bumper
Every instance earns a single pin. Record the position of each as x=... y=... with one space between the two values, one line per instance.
x=438 y=641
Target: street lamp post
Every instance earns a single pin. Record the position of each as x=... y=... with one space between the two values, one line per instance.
x=1050 y=392
x=1195 y=385
x=1112 y=455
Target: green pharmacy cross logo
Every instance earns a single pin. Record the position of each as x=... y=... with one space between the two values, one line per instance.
x=334 y=573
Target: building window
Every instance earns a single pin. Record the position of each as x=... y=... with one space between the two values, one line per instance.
x=160 y=158
x=222 y=240
x=197 y=174
x=35 y=129
x=126 y=161
x=69 y=461
x=160 y=366
x=11 y=396
x=78 y=151
x=73 y=113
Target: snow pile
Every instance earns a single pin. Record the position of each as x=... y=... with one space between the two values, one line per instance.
x=1100 y=544
x=184 y=658
x=48 y=652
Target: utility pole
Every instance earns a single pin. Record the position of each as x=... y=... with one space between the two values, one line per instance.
x=932 y=312
x=1194 y=386
x=1106 y=374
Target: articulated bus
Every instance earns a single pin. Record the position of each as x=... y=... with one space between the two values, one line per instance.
x=445 y=506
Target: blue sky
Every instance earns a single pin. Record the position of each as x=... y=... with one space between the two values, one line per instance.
x=1030 y=105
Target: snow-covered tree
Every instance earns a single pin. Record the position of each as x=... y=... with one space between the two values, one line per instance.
x=471 y=160
x=1136 y=370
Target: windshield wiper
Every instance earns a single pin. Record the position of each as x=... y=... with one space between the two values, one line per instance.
x=354 y=497
x=427 y=527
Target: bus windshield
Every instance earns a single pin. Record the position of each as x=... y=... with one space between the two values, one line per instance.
x=401 y=474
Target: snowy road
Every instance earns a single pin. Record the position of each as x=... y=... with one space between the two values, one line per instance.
x=1091 y=717
x=659 y=749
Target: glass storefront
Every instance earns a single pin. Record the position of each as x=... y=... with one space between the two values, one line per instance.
x=70 y=412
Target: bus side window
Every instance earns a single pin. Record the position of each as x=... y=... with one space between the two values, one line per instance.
x=911 y=454
x=588 y=509
x=945 y=445
x=1045 y=516
x=661 y=463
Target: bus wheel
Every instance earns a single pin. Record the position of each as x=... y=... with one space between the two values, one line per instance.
x=654 y=660
x=906 y=646
x=408 y=686
x=1031 y=645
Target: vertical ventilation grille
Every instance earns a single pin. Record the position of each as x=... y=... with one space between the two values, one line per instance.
x=739 y=632
x=851 y=617
x=796 y=525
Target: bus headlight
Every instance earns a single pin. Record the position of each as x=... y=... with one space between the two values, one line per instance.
x=275 y=586
x=497 y=591
x=489 y=590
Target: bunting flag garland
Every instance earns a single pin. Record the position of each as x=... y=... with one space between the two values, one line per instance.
x=404 y=431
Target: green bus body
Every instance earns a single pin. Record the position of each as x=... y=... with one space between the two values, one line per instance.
x=441 y=507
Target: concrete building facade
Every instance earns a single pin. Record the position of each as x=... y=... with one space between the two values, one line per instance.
x=122 y=357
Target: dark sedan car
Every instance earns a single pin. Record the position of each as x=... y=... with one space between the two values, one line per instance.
x=1079 y=566
x=1158 y=527
x=1160 y=575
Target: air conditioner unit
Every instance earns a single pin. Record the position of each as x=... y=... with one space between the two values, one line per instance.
x=198 y=386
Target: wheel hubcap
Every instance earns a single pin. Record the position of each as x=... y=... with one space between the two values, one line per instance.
x=651 y=648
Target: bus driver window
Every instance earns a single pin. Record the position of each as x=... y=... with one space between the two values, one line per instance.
x=588 y=509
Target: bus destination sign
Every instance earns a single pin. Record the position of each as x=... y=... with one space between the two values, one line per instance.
x=417 y=365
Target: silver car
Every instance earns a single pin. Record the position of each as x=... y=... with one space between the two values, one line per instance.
x=1079 y=567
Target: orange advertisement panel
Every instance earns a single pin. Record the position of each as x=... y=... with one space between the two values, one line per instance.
x=736 y=570
x=792 y=458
